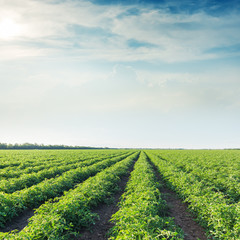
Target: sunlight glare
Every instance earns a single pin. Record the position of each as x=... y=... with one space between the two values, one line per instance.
x=9 y=29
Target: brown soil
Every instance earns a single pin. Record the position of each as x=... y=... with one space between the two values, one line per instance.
x=105 y=211
x=179 y=211
x=19 y=222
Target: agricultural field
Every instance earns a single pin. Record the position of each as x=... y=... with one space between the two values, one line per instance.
x=120 y=194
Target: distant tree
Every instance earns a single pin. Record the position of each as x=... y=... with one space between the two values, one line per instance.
x=40 y=146
x=3 y=146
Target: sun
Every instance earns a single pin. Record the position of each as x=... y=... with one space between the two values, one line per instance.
x=9 y=28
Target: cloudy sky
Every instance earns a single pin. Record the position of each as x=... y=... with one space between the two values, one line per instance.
x=120 y=73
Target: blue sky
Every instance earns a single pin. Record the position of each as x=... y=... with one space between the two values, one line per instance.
x=161 y=74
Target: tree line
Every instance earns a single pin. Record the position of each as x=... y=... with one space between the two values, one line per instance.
x=40 y=146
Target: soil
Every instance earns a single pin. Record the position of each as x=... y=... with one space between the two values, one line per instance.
x=105 y=211
x=19 y=222
x=179 y=211
x=99 y=230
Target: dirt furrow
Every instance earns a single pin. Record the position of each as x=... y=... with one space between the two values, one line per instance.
x=19 y=222
x=179 y=211
x=105 y=211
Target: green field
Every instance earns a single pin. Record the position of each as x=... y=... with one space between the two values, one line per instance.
x=65 y=187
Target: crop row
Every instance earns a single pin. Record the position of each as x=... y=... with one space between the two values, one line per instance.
x=12 y=204
x=27 y=180
x=46 y=161
x=67 y=215
x=214 y=211
x=142 y=210
x=23 y=158
x=213 y=169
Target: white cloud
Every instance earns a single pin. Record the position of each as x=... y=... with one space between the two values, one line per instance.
x=52 y=88
x=177 y=37
x=180 y=37
x=210 y=90
x=12 y=52
x=52 y=20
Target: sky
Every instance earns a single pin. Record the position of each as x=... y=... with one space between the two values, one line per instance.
x=130 y=73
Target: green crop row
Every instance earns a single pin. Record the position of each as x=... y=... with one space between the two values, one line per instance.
x=212 y=168
x=27 y=180
x=46 y=160
x=64 y=218
x=23 y=158
x=213 y=210
x=142 y=210
x=12 y=204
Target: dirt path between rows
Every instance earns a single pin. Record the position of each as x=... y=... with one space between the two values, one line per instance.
x=19 y=222
x=182 y=217
x=179 y=211
x=105 y=211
